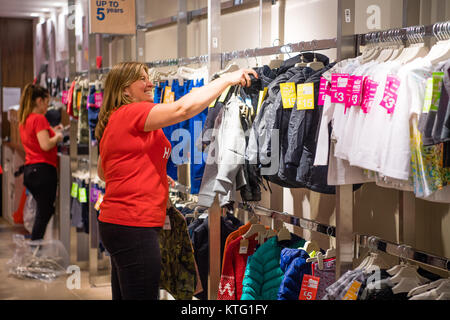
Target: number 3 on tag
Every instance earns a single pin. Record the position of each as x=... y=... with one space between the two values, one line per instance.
x=309 y=288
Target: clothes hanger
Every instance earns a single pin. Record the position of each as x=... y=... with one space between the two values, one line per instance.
x=387 y=50
x=443 y=288
x=315 y=65
x=277 y=61
x=398 y=45
x=284 y=234
x=311 y=246
x=444 y=296
x=427 y=287
x=441 y=50
x=416 y=48
x=254 y=229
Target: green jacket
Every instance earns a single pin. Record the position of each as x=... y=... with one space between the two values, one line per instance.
x=178 y=273
x=263 y=274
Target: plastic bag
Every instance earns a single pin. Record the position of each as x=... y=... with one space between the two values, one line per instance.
x=29 y=212
x=43 y=260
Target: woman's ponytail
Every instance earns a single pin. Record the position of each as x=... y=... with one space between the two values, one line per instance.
x=27 y=101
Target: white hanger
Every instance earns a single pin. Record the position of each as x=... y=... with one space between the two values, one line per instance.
x=284 y=234
x=311 y=246
x=230 y=68
x=254 y=228
x=434 y=293
x=441 y=50
x=330 y=253
x=429 y=286
x=405 y=285
x=408 y=272
x=444 y=296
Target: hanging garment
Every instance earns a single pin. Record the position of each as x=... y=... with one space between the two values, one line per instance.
x=178 y=272
x=263 y=274
x=200 y=243
x=327 y=275
x=294 y=266
x=233 y=268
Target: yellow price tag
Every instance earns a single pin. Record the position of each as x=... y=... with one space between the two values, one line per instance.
x=99 y=202
x=288 y=95
x=213 y=104
x=224 y=95
x=352 y=293
x=305 y=96
x=167 y=93
x=262 y=96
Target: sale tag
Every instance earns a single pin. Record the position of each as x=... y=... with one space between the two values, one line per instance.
x=428 y=96
x=324 y=91
x=78 y=100
x=224 y=94
x=167 y=94
x=348 y=93
x=288 y=95
x=438 y=78
x=339 y=87
x=74 y=190
x=213 y=104
x=370 y=89
x=352 y=293
x=243 y=246
x=99 y=201
x=65 y=97
x=357 y=90
x=305 y=96
x=390 y=93
x=82 y=195
x=309 y=287
x=98 y=97
x=262 y=96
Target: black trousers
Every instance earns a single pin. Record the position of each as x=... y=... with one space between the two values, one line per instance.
x=135 y=260
x=41 y=180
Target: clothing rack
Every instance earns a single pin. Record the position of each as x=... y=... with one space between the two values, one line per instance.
x=180 y=188
x=400 y=250
x=415 y=34
x=290 y=219
x=251 y=53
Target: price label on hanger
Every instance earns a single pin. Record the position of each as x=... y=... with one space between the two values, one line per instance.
x=308 y=291
x=213 y=104
x=428 y=96
x=370 y=89
x=438 y=78
x=262 y=96
x=65 y=97
x=390 y=93
x=74 y=190
x=82 y=195
x=357 y=91
x=99 y=201
x=324 y=91
x=305 y=96
x=224 y=94
x=168 y=95
x=288 y=95
x=339 y=87
x=352 y=293
x=98 y=98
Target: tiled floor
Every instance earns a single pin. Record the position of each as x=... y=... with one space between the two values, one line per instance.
x=23 y=289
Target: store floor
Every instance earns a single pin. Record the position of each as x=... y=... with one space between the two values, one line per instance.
x=23 y=289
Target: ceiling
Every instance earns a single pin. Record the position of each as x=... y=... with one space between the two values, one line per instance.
x=29 y=8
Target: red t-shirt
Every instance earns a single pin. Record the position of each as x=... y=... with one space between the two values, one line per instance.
x=28 y=134
x=134 y=165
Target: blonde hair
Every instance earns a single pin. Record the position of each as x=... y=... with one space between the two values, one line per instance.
x=28 y=100
x=120 y=77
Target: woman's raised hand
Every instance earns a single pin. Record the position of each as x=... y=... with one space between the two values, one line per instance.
x=241 y=77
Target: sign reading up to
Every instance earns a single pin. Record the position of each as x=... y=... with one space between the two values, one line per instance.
x=112 y=16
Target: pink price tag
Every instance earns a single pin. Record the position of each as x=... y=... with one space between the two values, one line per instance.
x=348 y=93
x=98 y=97
x=370 y=89
x=357 y=90
x=390 y=94
x=339 y=87
x=65 y=95
x=324 y=91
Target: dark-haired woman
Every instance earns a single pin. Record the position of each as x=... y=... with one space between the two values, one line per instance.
x=39 y=141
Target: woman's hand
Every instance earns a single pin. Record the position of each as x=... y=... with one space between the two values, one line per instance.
x=240 y=77
x=172 y=182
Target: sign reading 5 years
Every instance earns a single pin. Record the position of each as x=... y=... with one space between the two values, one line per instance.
x=112 y=16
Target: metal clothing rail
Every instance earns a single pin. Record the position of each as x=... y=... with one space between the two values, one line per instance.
x=290 y=219
x=251 y=53
x=180 y=188
x=440 y=30
x=401 y=251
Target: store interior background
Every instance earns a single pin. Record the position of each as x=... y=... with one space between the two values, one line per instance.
x=376 y=210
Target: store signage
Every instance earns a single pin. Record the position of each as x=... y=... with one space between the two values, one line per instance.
x=112 y=17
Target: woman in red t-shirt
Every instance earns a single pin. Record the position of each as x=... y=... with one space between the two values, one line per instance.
x=133 y=157
x=39 y=141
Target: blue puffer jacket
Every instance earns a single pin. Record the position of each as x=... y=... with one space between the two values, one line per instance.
x=293 y=264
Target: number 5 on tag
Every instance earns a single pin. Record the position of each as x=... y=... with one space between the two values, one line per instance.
x=305 y=96
x=309 y=288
